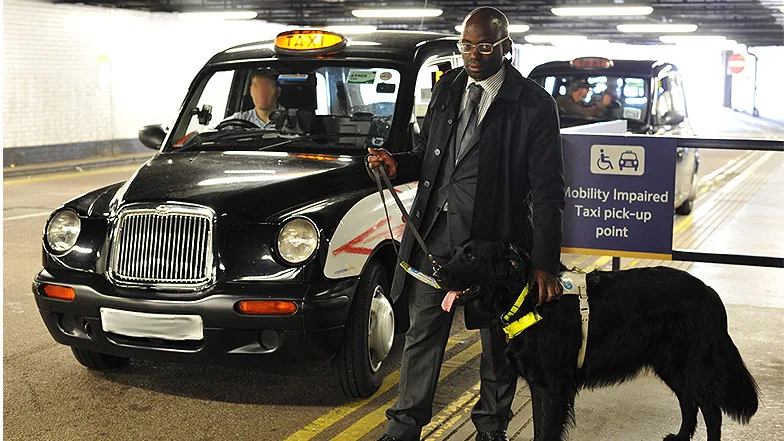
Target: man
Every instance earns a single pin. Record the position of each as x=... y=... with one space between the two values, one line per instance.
x=264 y=91
x=572 y=103
x=489 y=148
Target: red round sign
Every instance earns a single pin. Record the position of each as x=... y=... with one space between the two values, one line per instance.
x=736 y=63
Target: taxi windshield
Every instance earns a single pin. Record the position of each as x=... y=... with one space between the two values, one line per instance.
x=275 y=104
x=598 y=98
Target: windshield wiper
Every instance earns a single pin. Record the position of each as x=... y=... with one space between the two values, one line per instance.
x=202 y=139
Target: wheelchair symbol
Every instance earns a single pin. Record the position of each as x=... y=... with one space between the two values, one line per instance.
x=604 y=162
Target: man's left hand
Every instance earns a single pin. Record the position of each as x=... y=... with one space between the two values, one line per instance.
x=550 y=288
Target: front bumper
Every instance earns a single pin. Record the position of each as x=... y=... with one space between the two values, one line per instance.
x=313 y=332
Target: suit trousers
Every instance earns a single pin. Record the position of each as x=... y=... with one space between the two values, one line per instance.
x=423 y=355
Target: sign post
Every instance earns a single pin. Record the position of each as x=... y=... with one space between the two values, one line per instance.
x=619 y=195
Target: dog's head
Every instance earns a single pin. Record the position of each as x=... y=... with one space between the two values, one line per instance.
x=480 y=266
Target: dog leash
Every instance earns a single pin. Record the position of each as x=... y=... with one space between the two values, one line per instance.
x=379 y=173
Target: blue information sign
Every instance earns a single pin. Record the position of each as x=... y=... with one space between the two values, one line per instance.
x=619 y=195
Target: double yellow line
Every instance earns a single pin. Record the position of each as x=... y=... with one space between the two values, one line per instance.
x=376 y=417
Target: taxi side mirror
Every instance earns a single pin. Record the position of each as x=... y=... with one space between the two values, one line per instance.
x=152 y=136
x=672 y=118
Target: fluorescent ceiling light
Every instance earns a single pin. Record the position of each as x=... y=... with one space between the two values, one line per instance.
x=513 y=28
x=781 y=9
x=657 y=28
x=692 y=39
x=540 y=38
x=582 y=11
x=218 y=15
x=352 y=29
x=396 y=13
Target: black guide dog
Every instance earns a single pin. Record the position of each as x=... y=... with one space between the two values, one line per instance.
x=659 y=318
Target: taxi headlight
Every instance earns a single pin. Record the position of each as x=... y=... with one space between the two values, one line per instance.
x=62 y=231
x=297 y=240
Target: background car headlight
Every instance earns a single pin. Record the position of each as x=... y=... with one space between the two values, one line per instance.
x=62 y=230
x=297 y=240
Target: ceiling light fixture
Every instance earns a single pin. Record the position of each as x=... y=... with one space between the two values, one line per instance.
x=555 y=39
x=396 y=13
x=594 y=11
x=352 y=29
x=217 y=15
x=657 y=28
x=513 y=28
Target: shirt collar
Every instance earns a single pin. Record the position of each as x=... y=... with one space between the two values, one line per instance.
x=496 y=78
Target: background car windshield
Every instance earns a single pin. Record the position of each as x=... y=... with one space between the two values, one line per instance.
x=351 y=106
x=629 y=96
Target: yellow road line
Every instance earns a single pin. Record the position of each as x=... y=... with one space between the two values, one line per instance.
x=333 y=416
x=52 y=177
x=373 y=419
x=449 y=416
x=27 y=216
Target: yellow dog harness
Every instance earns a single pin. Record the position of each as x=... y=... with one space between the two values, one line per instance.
x=573 y=282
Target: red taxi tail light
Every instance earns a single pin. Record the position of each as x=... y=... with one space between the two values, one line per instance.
x=266 y=307
x=60 y=292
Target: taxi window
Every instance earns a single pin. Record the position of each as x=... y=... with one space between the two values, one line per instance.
x=349 y=106
x=428 y=76
x=215 y=96
x=599 y=97
x=670 y=96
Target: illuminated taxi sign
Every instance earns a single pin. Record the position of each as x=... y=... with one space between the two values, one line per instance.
x=591 y=63
x=309 y=41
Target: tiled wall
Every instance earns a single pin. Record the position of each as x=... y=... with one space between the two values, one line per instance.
x=78 y=75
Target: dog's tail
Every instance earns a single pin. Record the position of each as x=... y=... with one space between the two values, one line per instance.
x=741 y=395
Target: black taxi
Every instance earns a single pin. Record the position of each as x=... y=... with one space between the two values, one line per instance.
x=648 y=95
x=236 y=242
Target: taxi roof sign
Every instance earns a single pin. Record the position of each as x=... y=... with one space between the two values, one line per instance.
x=309 y=42
x=591 y=63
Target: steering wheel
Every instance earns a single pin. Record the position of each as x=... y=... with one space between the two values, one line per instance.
x=230 y=124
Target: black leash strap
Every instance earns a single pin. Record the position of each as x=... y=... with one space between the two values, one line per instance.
x=406 y=218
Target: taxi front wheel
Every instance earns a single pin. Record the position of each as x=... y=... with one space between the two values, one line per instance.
x=98 y=361
x=368 y=335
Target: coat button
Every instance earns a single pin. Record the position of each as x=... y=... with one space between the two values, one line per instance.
x=437 y=152
x=449 y=121
x=426 y=184
x=417 y=213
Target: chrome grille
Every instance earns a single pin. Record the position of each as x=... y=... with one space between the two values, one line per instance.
x=167 y=245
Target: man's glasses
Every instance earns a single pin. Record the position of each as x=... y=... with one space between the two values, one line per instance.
x=484 y=48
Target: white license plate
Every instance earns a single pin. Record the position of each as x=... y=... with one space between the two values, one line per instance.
x=146 y=325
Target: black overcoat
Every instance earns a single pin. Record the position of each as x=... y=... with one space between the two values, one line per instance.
x=520 y=183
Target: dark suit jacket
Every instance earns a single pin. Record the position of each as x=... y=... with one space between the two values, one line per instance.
x=519 y=185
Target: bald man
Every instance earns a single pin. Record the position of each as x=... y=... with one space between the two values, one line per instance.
x=489 y=163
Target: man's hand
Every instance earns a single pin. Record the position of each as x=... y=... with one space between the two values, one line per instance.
x=606 y=100
x=549 y=286
x=382 y=156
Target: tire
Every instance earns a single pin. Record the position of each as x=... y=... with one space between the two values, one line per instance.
x=98 y=361
x=685 y=207
x=368 y=336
